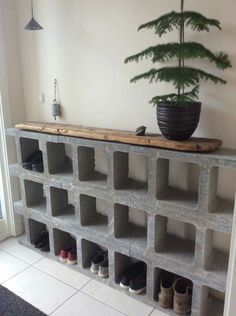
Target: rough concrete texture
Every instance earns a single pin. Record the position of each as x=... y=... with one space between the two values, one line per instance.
x=63 y=199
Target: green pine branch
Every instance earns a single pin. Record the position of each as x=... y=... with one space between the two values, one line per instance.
x=178 y=99
x=190 y=50
x=172 y=20
x=181 y=78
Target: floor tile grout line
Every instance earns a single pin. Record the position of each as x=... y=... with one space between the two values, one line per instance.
x=63 y=302
x=30 y=264
x=85 y=285
x=15 y=256
x=151 y=311
x=52 y=276
x=37 y=261
x=96 y=299
x=14 y=275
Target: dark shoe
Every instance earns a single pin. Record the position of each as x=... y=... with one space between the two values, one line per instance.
x=183 y=296
x=45 y=246
x=43 y=236
x=37 y=167
x=34 y=162
x=133 y=271
x=97 y=261
x=138 y=284
x=103 y=270
x=166 y=294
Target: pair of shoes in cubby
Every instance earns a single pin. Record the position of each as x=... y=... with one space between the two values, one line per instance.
x=176 y=293
x=69 y=255
x=99 y=264
x=34 y=162
x=134 y=278
x=42 y=242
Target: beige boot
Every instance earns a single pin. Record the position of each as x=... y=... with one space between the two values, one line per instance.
x=167 y=291
x=183 y=296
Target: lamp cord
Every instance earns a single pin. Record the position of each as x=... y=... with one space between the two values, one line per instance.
x=55 y=90
x=32 y=8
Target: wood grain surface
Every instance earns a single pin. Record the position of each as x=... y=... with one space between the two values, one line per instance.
x=127 y=137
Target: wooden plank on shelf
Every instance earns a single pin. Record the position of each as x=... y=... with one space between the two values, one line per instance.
x=194 y=144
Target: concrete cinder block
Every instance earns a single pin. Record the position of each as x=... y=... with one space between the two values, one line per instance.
x=67 y=198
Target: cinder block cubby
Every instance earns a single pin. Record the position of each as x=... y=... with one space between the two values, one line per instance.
x=59 y=158
x=164 y=208
x=130 y=225
x=92 y=165
x=62 y=204
x=35 y=196
x=218 y=255
x=175 y=239
x=94 y=213
x=158 y=274
x=89 y=251
x=225 y=203
x=122 y=263
x=62 y=240
x=213 y=302
x=35 y=230
x=28 y=146
x=177 y=182
x=124 y=164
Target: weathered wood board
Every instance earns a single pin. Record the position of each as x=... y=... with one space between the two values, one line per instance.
x=128 y=137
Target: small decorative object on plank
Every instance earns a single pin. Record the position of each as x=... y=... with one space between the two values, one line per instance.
x=127 y=137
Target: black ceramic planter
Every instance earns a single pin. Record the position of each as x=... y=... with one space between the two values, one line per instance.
x=178 y=122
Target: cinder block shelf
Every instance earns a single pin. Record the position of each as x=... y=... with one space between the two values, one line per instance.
x=88 y=192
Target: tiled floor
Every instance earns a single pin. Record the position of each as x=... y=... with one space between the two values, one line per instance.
x=59 y=291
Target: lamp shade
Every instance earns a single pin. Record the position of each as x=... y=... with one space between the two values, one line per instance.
x=33 y=25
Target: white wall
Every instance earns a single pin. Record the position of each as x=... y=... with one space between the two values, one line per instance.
x=12 y=97
x=10 y=64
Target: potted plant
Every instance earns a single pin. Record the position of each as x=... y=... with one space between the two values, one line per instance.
x=178 y=113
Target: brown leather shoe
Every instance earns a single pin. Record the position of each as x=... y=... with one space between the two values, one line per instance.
x=166 y=294
x=183 y=296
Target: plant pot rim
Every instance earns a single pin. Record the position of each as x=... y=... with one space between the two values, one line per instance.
x=175 y=105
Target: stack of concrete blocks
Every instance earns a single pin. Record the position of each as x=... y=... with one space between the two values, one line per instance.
x=63 y=198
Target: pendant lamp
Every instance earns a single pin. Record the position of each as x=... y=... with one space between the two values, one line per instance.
x=33 y=25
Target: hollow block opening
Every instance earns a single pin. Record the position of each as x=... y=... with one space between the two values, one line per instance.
x=35 y=196
x=30 y=154
x=130 y=225
x=123 y=264
x=35 y=230
x=175 y=239
x=59 y=158
x=166 y=279
x=213 y=302
x=218 y=256
x=62 y=240
x=62 y=203
x=94 y=212
x=89 y=251
x=178 y=182
x=225 y=191
x=92 y=165
x=130 y=171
